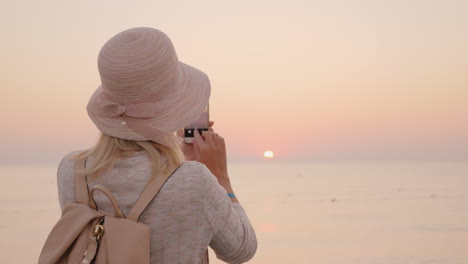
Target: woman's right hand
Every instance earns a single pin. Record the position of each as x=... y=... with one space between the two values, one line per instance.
x=210 y=149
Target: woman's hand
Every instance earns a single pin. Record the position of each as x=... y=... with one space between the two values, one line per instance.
x=188 y=148
x=210 y=149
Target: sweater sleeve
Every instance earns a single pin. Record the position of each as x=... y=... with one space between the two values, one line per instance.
x=233 y=237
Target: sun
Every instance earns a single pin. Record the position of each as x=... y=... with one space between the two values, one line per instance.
x=268 y=154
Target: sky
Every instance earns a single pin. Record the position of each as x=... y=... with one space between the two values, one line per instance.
x=309 y=80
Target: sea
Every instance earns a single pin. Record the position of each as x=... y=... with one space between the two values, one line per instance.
x=302 y=212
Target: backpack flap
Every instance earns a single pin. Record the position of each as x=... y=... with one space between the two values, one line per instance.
x=73 y=227
x=124 y=241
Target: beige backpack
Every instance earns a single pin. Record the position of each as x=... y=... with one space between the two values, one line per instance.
x=85 y=235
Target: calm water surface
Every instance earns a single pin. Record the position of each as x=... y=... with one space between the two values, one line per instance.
x=303 y=213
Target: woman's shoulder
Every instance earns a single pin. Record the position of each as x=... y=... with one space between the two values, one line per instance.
x=193 y=164
x=65 y=179
x=197 y=173
x=197 y=168
x=67 y=163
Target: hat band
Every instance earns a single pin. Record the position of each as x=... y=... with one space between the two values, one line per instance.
x=102 y=105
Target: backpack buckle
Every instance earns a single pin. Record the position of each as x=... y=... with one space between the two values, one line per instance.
x=99 y=229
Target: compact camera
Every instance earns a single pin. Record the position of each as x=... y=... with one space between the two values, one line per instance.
x=201 y=123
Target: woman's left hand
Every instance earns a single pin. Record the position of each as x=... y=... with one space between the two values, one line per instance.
x=188 y=148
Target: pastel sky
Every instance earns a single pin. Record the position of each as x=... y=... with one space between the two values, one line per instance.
x=309 y=80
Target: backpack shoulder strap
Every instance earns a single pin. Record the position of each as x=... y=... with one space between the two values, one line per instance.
x=80 y=184
x=150 y=191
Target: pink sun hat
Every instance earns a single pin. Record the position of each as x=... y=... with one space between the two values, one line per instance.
x=146 y=93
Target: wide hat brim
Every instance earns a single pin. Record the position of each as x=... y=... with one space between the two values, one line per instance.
x=177 y=110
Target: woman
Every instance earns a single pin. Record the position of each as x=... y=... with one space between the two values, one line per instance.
x=145 y=99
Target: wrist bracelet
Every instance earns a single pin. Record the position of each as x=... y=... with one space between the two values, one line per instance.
x=231 y=195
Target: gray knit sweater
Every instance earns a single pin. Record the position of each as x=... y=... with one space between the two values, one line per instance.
x=191 y=211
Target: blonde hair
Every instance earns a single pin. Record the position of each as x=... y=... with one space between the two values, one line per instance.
x=109 y=149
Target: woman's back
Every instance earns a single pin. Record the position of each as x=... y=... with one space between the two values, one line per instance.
x=190 y=212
